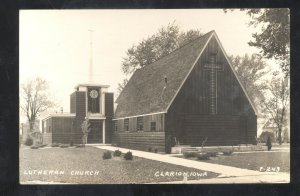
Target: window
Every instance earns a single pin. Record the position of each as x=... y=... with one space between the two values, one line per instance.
x=116 y=125
x=126 y=124
x=153 y=126
x=139 y=124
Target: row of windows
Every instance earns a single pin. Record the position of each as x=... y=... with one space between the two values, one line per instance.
x=139 y=125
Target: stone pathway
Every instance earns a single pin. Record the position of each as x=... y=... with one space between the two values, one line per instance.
x=228 y=174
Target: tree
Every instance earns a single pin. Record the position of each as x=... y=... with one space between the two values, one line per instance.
x=122 y=85
x=251 y=70
x=36 y=99
x=269 y=143
x=273 y=37
x=165 y=41
x=276 y=104
x=86 y=128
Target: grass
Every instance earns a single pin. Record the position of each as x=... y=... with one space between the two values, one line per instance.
x=255 y=160
x=111 y=171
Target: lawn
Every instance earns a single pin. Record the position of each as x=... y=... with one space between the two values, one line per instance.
x=259 y=161
x=67 y=161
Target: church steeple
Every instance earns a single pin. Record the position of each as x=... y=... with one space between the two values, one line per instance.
x=91 y=58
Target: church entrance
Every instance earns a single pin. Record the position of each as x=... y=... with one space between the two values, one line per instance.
x=95 y=135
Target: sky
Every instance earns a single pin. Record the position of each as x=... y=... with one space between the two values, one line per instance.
x=55 y=44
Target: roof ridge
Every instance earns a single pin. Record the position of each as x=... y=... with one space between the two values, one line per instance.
x=188 y=43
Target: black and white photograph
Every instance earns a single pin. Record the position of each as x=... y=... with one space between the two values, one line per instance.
x=154 y=96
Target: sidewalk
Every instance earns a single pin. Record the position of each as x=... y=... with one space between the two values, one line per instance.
x=228 y=174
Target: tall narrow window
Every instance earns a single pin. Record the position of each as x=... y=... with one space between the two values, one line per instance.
x=126 y=124
x=153 y=126
x=116 y=125
x=139 y=124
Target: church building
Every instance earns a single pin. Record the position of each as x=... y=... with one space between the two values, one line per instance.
x=88 y=100
x=187 y=97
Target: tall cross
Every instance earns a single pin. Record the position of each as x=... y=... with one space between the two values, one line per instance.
x=213 y=67
x=91 y=57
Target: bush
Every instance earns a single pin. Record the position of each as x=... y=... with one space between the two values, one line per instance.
x=64 y=146
x=28 y=141
x=203 y=156
x=212 y=154
x=189 y=154
x=117 y=153
x=265 y=135
x=54 y=145
x=128 y=156
x=106 y=155
x=42 y=145
x=227 y=152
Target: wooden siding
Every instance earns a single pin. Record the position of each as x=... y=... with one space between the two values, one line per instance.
x=194 y=96
x=62 y=128
x=189 y=118
x=47 y=138
x=80 y=116
x=218 y=129
x=109 y=104
x=108 y=130
x=140 y=140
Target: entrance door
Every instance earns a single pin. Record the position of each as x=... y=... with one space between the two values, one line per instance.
x=95 y=135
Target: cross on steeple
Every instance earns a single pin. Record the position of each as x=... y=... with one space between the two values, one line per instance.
x=213 y=67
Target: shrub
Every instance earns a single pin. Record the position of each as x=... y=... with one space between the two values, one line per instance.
x=54 y=145
x=128 y=156
x=28 y=141
x=117 y=153
x=64 y=146
x=203 y=156
x=106 y=155
x=265 y=135
x=269 y=143
x=189 y=154
x=212 y=154
x=227 y=152
x=42 y=145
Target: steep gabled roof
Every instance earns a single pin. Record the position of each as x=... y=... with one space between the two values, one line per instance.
x=147 y=93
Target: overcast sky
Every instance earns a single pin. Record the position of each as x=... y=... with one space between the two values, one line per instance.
x=54 y=44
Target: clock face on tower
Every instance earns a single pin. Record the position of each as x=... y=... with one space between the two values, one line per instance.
x=93 y=94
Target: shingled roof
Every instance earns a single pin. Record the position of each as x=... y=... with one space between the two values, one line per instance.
x=145 y=92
